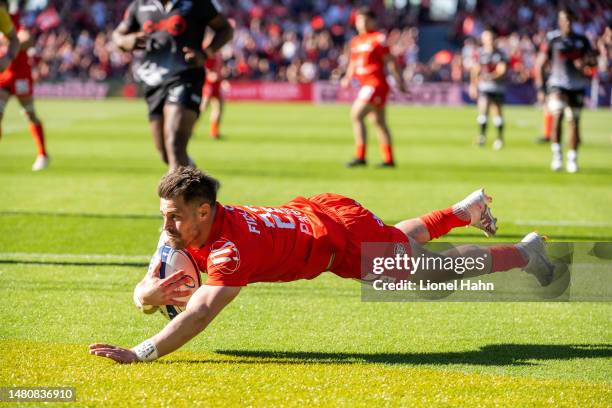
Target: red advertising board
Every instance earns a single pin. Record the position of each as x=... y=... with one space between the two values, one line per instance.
x=268 y=91
x=442 y=94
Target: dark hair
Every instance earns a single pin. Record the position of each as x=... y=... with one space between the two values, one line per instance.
x=189 y=183
x=366 y=11
x=490 y=28
x=568 y=12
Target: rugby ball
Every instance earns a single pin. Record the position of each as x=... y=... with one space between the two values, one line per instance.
x=175 y=260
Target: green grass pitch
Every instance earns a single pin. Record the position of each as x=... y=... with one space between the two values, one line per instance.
x=74 y=240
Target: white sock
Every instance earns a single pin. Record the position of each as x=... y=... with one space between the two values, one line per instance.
x=556 y=150
x=572 y=155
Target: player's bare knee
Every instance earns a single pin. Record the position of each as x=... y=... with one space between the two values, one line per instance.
x=556 y=106
x=30 y=113
x=572 y=115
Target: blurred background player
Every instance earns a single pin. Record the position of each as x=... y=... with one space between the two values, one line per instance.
x=570 y=56
x=212 y=94
x=487 y=84
x=16 y=79
x=171 y=34
x=542 y=98
x=369 y=54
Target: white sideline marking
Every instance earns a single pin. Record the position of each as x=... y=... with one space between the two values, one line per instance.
x=104 y=257
x=564 y=223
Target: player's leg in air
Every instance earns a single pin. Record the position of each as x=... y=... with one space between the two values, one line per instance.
x=498 y=120
x=474 y=210
x=572 y=114
x=37 y=131
x=482 y=118
x=557 y=101
x=361 y=108
x=379 y=119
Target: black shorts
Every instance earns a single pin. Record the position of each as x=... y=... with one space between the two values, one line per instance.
x=573 y=98
x=184 y=90
x=495 y=97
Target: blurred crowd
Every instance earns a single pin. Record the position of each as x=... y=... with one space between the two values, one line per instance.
x=306 y=40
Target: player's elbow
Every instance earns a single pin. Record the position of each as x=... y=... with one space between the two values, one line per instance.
x=117 y=39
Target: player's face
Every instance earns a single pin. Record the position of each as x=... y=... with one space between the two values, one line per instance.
x=487 y=39
x=363 y=23
x=565 y=24
x=181 y=222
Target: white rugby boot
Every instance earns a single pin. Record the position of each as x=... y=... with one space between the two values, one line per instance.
x=476 y=205
x=41 y=163
x=498 y=144
x=539 y=265
x=572 y=162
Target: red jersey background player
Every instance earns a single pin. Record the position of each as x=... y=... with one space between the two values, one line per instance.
x=16 y=80
x=212 y=94
x=238 y=245
x=369 y=55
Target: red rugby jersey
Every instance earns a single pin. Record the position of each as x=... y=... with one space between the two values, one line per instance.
x=268 y=244
x=368 y=51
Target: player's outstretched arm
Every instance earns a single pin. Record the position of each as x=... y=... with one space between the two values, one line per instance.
x=205 y=304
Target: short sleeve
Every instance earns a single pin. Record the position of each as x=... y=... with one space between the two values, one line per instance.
x=225 y=266
x=130 y=19
x=209 y=9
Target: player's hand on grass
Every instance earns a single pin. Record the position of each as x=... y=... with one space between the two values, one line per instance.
x=154 y=291
x=194 y=57
x=118 y=354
